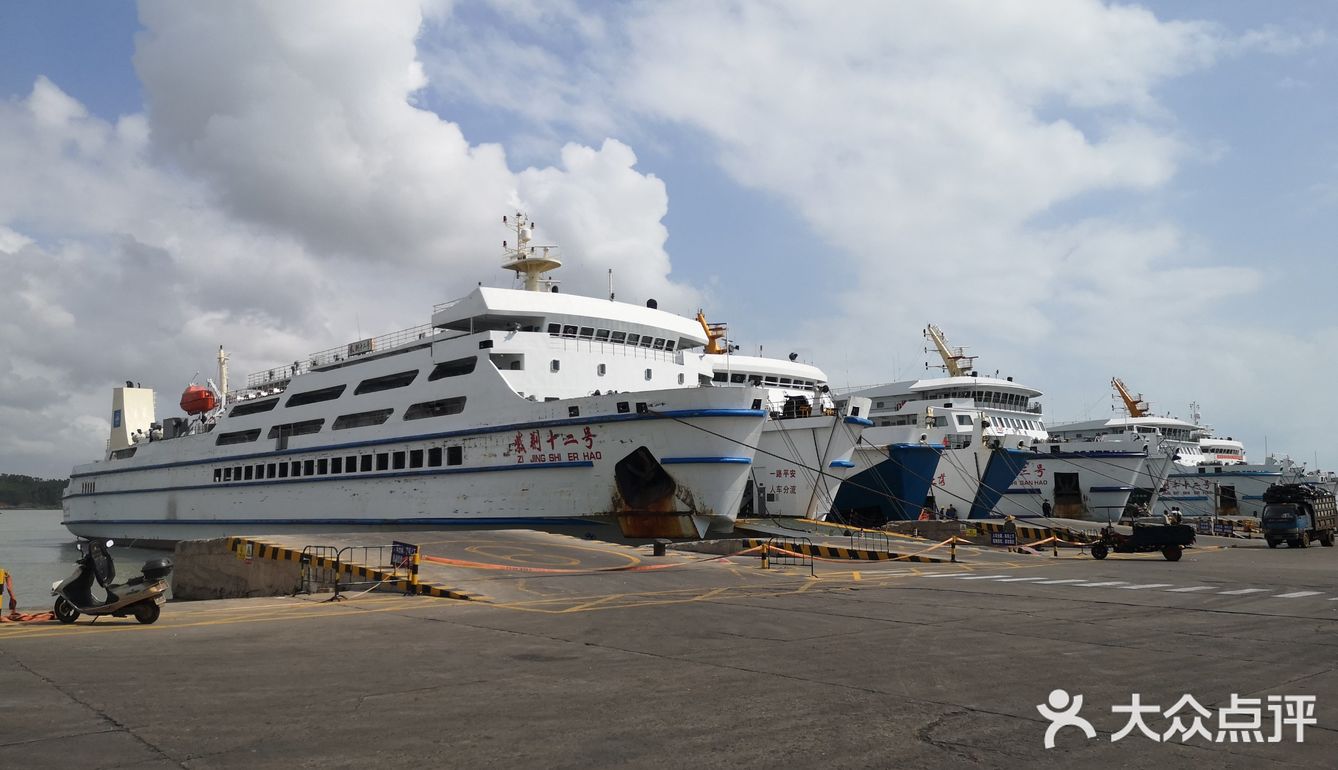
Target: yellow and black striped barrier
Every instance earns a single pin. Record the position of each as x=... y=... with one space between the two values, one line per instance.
x=838 y=552
x=251 y=548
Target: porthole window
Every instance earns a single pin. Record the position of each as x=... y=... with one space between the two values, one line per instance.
x=648 y=374
x=601 y=369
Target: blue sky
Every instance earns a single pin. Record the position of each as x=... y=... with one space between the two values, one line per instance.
x=1075 y=190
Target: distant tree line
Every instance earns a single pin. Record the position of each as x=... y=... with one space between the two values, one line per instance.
x=28 y=492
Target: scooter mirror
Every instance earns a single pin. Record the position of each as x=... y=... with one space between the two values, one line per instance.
x=111 y=543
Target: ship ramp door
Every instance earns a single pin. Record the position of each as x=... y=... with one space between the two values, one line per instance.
x=1227 y=502
x=1068 y=497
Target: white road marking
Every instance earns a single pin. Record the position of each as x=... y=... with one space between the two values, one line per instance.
x=1107 y=583
x=1146 y=585
x=1187 y=590
x=1057 y=582
x=982 y=577
x=1297 y=594
x=1238 y=592
x=946 y=574
x=1017 y=580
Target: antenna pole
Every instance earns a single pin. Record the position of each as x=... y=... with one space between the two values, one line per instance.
x=610 y=284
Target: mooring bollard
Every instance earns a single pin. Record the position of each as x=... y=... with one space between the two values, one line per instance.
x=952 y=550
x=657 y=549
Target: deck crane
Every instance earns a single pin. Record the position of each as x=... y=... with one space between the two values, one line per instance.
x=1135 y=405
x=955 y=360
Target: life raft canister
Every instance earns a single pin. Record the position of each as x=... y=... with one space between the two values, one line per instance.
x=197 y=399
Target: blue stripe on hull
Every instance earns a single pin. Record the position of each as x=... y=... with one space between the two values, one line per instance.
x=341 y=477
x=704 y=460
x=436 y=521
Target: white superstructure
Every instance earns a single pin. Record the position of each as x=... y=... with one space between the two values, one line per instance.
x=511 y=407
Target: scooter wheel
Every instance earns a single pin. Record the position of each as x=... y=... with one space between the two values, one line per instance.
x=147 y=612
x=65 y=612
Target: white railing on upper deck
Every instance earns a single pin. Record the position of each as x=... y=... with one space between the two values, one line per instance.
x=279 y=376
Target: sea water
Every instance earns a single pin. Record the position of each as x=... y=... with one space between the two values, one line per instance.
x=37 y=550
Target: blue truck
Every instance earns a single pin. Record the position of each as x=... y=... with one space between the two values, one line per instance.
x=1298 y=514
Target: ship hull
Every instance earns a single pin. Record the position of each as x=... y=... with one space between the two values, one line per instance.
x=801 y=463
x=657 y=463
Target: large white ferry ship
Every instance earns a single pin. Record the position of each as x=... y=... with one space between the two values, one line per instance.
x=511 y=408
x=1210 y=475
x=969 y=415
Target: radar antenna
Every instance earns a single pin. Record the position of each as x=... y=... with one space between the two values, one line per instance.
x=527 y=261
x=955 y=360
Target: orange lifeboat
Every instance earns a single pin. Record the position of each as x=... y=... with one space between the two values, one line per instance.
x=198 y=399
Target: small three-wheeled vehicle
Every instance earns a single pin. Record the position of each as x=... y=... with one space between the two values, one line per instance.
x=1170 y=539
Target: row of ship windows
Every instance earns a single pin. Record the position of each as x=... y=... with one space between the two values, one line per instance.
x=605 y=335
x=456 y=368
x=601 y=369
x=328 y=466
x=963 y=420
x=739 y=378
x=439 y=408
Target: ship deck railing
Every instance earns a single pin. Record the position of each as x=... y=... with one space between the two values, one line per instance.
x=279 y=376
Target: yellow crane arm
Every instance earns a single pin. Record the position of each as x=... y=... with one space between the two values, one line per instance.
x=950 y=359
x=714 y=333
x=1136 y=406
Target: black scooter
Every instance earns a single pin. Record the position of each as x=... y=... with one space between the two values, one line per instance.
x=141 y=596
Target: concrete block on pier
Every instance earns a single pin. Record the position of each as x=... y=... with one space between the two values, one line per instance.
x=207 y=569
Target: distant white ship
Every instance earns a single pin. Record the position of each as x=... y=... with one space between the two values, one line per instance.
x=1210 y=475
x=511 y=408
x=976 y=417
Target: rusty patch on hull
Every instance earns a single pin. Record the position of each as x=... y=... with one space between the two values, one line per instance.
x=646 y=499
x=637 y=524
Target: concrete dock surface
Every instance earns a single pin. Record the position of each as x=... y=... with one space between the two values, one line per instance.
x=704 y=661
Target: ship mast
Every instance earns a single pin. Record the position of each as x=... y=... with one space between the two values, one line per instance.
x=524 y=259
x=1135 y=405
x=953 y=358
x=222 y=376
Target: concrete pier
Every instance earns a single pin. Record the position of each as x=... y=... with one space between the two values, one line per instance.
x=584 y=654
